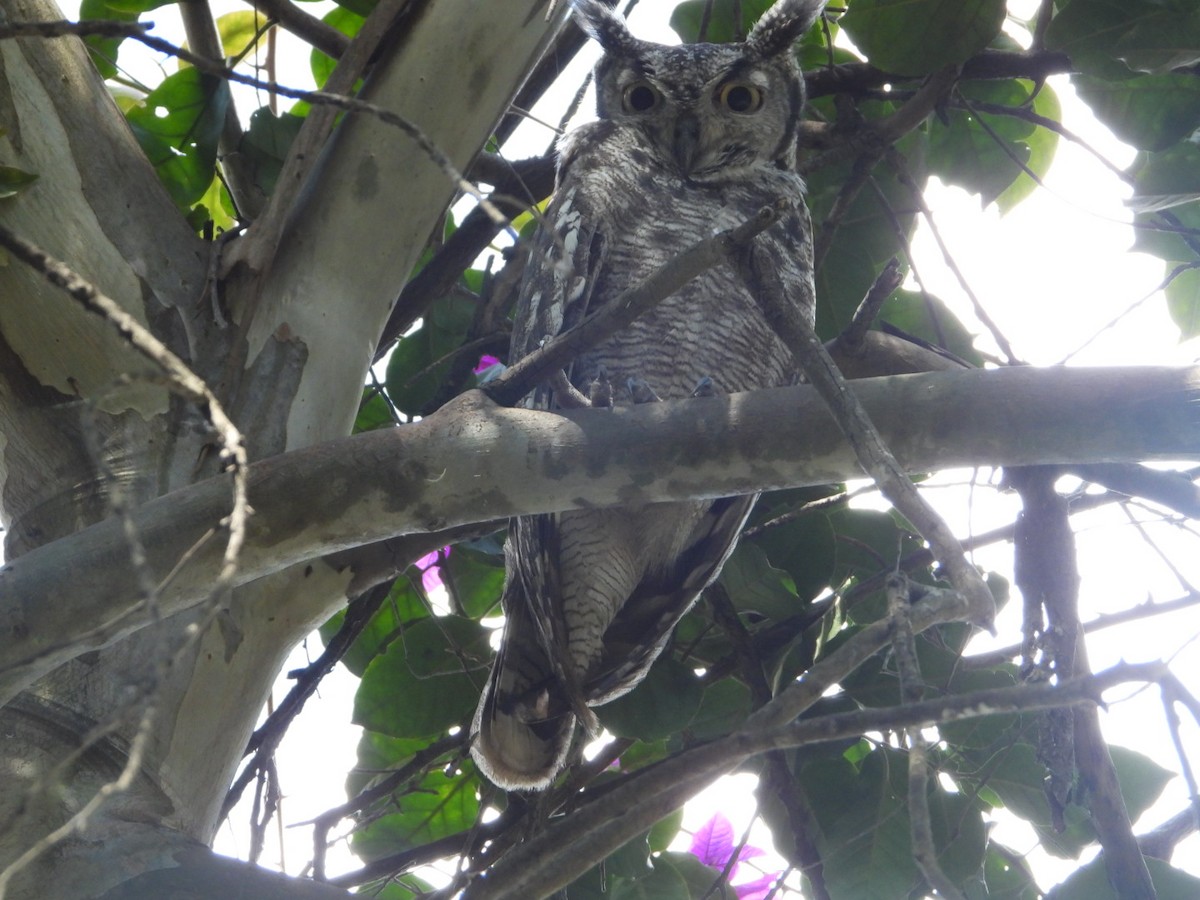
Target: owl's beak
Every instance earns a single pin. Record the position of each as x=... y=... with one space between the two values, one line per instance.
x=686 y=141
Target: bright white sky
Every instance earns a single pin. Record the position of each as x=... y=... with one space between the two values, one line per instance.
x=1075 y=275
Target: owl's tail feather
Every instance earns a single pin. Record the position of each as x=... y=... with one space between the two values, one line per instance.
x=524 y=726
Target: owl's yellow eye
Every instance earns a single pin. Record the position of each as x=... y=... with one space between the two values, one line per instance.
x=640 y=97
x=740 y=97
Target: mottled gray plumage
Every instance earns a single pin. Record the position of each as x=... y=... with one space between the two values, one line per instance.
x=690 y=140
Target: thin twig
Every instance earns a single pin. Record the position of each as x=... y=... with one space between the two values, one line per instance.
x=873 y=455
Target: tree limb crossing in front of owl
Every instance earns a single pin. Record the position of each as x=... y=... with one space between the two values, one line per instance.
x=690 y=140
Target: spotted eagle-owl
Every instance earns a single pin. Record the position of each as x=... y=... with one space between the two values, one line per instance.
x=690 y=140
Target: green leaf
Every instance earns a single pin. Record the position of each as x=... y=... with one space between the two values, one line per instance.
x=724 y=706
x=1004 y=879
x=439 y=806
x=1183 y=302
x=1142 y=779
x=754 y=585
x=723 y=27
x=240 y=31
x=867 y=236
x=927 y=317
x=1144 y=35
x=1042 y=144
x=475 y=579
x=617 y=876
x=104 y=50
x=803 y=547
x=917 y=37
x=14 y=180
x=865 y=841
x=373 y=412
x=422 y=360
x=403 y=606
x=265 y=144
x=346 y=20
x=178 y=126
x=1151 y=112
x=662 y=704
x=663 y=831
x=700 y=881
x=1167 y=179
x=428 y=680
x=1091 y=883
x=868 y=542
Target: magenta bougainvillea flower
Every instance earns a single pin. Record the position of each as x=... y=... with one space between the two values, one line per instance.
x=431 y=572
x=712 y=844
x=485 y=362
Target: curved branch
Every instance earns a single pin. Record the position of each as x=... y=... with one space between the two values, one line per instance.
x=474 y=461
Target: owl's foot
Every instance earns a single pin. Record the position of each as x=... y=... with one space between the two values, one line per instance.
x=705 y=387
x=600 y=391
x=640 y=391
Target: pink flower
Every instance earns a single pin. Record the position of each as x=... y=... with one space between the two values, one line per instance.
x=431 y=573
x=485 y=362
x=712 y=844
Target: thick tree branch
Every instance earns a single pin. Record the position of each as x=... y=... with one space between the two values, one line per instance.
x=307 y=27
x=474 y=461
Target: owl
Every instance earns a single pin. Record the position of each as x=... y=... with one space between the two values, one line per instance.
x=690 y=140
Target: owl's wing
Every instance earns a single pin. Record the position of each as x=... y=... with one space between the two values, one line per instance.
x=526 y=716
x=568 y=253
x=641 y=629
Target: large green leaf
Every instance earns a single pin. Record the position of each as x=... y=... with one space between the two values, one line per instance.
x=104 y=49
x=663 y=704
x=348 y=22
x=423 y=359
x=403 y=606
x=723 y=23
x=439 y=806
x=870 y=232
x=266 y=142
x=1151 y=112
x=475 y=579
x=1167 y=179
x=988 y=151
x=864 y=817
x=1004 y=878
x=755 y=586
x=916 y=37
x=723 y=708
x=240 y=31
x=178 y=127
x=1167 y=235
x=926 y=317
x=1091 y=883
x=1144 y=35
x=428 y=680
x=802 y=546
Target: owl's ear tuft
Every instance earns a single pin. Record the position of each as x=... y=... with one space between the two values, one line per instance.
x=602 y=23
x=781 y=26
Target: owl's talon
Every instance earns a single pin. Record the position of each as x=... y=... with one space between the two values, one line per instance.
x=640 y=391
x=705 y=387
x=600 y=391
